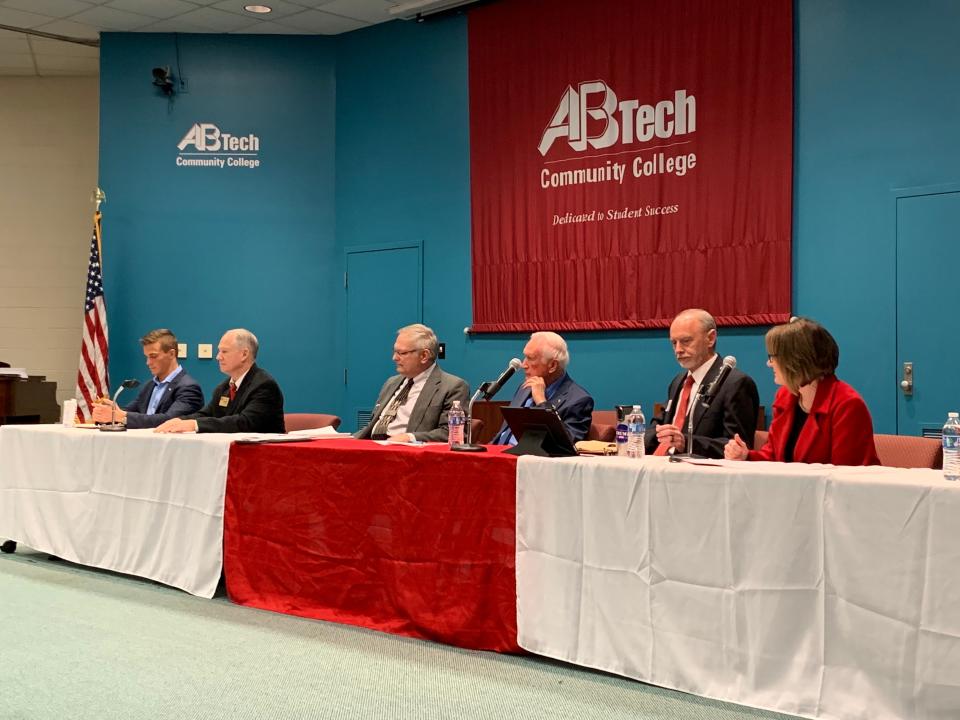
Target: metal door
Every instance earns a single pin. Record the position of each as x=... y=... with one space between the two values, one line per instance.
x=928 y=331
x=383 y=286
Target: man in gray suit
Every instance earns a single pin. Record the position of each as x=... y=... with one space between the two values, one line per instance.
x=413 y=404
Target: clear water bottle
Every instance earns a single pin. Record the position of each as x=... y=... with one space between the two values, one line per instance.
x=621 y=436
x=456 y=421
x=636 y=426
x=951 y=447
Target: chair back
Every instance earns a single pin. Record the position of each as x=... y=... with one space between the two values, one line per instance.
x=903 y=451
x=603 y=426
x=760 y=439
x=309 y=421
x=476 y=428
x=907 y=451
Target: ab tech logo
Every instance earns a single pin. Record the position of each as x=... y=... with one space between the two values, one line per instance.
x=211 y=147
x=620 y=121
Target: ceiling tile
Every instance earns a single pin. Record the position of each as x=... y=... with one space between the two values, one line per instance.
x=213 y=20
x=321 y=23
x=280 y=9
x=107 y=18
x=53 y=8
x=20 y=19
x=314 y=3
x=175 y=25
x=271 y=28
x=70 y=29
x=159 y=9
x=374 y=11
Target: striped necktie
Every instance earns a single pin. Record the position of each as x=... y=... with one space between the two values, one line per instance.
x=388 y=415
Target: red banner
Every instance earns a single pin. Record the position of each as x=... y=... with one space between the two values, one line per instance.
x=629 y=160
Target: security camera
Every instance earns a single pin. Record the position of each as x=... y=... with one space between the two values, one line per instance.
x=163 y=79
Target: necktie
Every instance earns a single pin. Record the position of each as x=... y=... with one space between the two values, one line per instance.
x=681 y=415
x=233 y=390
x=387 y=416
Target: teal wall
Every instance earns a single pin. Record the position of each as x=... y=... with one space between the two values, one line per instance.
x=366 y=141
x=201 y=250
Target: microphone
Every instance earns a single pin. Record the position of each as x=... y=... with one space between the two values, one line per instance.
x=707 y=396
x=493 y=388
x=114 y=426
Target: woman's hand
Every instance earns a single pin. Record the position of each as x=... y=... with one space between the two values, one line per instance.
x=736 y=449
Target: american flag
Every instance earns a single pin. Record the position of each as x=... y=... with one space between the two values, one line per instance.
x=93 y=379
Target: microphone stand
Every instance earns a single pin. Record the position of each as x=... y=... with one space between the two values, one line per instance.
x=467 y=444
x=113 y=425
x=688 y=455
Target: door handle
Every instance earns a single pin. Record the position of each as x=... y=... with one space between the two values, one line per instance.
x=906 y=384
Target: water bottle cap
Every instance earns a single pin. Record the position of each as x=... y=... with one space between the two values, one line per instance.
x=953 y=415
x=637 y=408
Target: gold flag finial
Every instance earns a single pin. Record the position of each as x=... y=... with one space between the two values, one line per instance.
x=99 y=196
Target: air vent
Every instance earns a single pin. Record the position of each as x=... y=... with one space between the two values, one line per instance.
x=363 y=417
x=932 y=431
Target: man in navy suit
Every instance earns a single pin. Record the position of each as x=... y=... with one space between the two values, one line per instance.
x=171 y=393
x=547 y=385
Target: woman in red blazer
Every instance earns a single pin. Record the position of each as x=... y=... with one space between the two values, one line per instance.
x=816 y=417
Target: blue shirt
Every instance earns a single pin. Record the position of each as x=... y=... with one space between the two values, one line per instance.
x=159 y=388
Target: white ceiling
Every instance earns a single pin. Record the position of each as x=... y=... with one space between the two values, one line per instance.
x=26 y=54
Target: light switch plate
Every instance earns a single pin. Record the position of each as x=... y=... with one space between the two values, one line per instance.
x=204 y=351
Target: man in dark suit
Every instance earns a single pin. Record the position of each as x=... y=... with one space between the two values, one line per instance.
x=170 y=393
x=547 y=385
x=693 y=335
x=249 y=401
x=413 y=404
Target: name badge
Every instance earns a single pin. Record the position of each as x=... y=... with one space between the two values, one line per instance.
x=224 y=400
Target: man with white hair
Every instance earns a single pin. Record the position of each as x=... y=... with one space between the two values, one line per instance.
x=248 y=401
x=413 y=404
x=548 y=385
x=693 y=335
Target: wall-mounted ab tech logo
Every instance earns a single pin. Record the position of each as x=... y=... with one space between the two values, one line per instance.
x=206 y=145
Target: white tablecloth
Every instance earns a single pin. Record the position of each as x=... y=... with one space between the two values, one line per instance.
x=806 y=589
x=135 y=502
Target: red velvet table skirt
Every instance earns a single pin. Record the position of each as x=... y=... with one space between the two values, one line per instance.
x=411 y=541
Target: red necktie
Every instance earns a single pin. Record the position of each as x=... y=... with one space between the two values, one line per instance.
x=233 y=390
x=681 y=413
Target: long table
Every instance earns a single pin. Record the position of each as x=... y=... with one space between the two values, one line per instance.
x=813 y=590
x=413 y=541
x=134 y=502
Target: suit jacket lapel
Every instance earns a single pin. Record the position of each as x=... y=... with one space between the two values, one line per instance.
x=384 y=399
x=165 y=401
x=244 y=388
x=673 y=398
x=429 y=389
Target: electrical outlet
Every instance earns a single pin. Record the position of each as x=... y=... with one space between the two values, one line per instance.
x=204 y=351
x=181 y=350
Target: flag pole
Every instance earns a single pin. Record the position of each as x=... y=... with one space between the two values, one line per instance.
x=99 y=196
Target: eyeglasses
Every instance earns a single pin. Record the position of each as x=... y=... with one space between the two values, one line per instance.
x=401 y=353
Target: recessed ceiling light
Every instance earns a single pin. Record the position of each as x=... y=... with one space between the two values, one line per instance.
x=258 y=9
